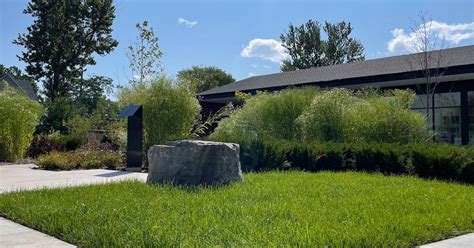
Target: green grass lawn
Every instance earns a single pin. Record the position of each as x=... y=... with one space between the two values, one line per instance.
x=268 y=209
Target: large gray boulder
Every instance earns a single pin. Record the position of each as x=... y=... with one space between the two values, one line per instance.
x=194 y=162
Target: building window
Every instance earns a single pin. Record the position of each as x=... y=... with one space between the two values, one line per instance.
x=421 y=102
x=470 y=97
x=447 y=117
x=420 y=105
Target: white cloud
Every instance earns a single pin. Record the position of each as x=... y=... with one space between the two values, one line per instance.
x=251 y=74
x=188 y=23
x=450 y=33
x=268 y=49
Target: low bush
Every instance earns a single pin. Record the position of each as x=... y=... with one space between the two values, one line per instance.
x=68 y=142
x=427 y=161
x=42 y=144
x=256 y=156
x=58 y=161
x=441 y=161
x=80 y=159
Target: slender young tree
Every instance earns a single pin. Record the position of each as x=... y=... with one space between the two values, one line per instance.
x=307 y=49
x=144 y=55
x=62 y=40
x=431 y=59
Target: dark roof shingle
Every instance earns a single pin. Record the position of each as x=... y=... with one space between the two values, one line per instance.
x=451 y=57
x=22 y=85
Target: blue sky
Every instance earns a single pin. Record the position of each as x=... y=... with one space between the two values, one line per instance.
x=242 y=37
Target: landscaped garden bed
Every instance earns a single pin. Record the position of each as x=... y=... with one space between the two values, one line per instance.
x=268 y=209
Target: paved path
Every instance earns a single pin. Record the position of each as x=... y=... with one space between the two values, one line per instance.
x=16 y=235
x=463 y=241
x=26 y=177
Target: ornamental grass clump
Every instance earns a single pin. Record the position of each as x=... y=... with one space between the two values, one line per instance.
x=336 y=115
x=18 y=118
x=341 y=115
x=169 y=112
x=328 y=117
x=386 y=117
x=266 y=116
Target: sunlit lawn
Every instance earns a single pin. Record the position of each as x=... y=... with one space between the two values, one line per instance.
x=268 y=209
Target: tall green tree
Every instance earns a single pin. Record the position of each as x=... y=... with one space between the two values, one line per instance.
x=307 y=49
x=144 y=55
x=88 y=92
x=63 y=39
x=198 y=78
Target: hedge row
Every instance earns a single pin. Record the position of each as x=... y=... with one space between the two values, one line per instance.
x=428 y=161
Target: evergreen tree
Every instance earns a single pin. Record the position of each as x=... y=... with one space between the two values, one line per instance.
x=62 y=40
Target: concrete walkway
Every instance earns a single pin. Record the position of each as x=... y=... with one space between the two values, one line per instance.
x=27 y=177
x=16 y=235
x=15 y=177
x=463 y=241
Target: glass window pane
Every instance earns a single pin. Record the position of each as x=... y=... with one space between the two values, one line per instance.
x=452 y=99
x=420 y=101
x=448 y=125
x=470 y=96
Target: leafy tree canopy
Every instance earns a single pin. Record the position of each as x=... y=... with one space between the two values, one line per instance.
x=307 y=49
x=62 y=40
x=87 y=92
x=199 y=78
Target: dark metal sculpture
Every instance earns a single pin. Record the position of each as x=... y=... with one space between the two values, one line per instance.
x=134 y=136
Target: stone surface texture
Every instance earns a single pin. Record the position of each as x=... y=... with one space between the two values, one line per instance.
x=194 y=162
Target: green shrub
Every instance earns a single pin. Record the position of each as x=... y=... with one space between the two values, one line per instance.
x=441 y=160
x=68 y=142
x=383 y=158
x=57 y=161
x=467 y=174
x=18 y=118
x=84 y=159
x=328 y=116
x=336 y=115
x=78 y=128
x=340 y=115
x=266 y=116
x=256 y=156
x=424 y=160
x=168 y=112
x=386 y=117
x=100 y=159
